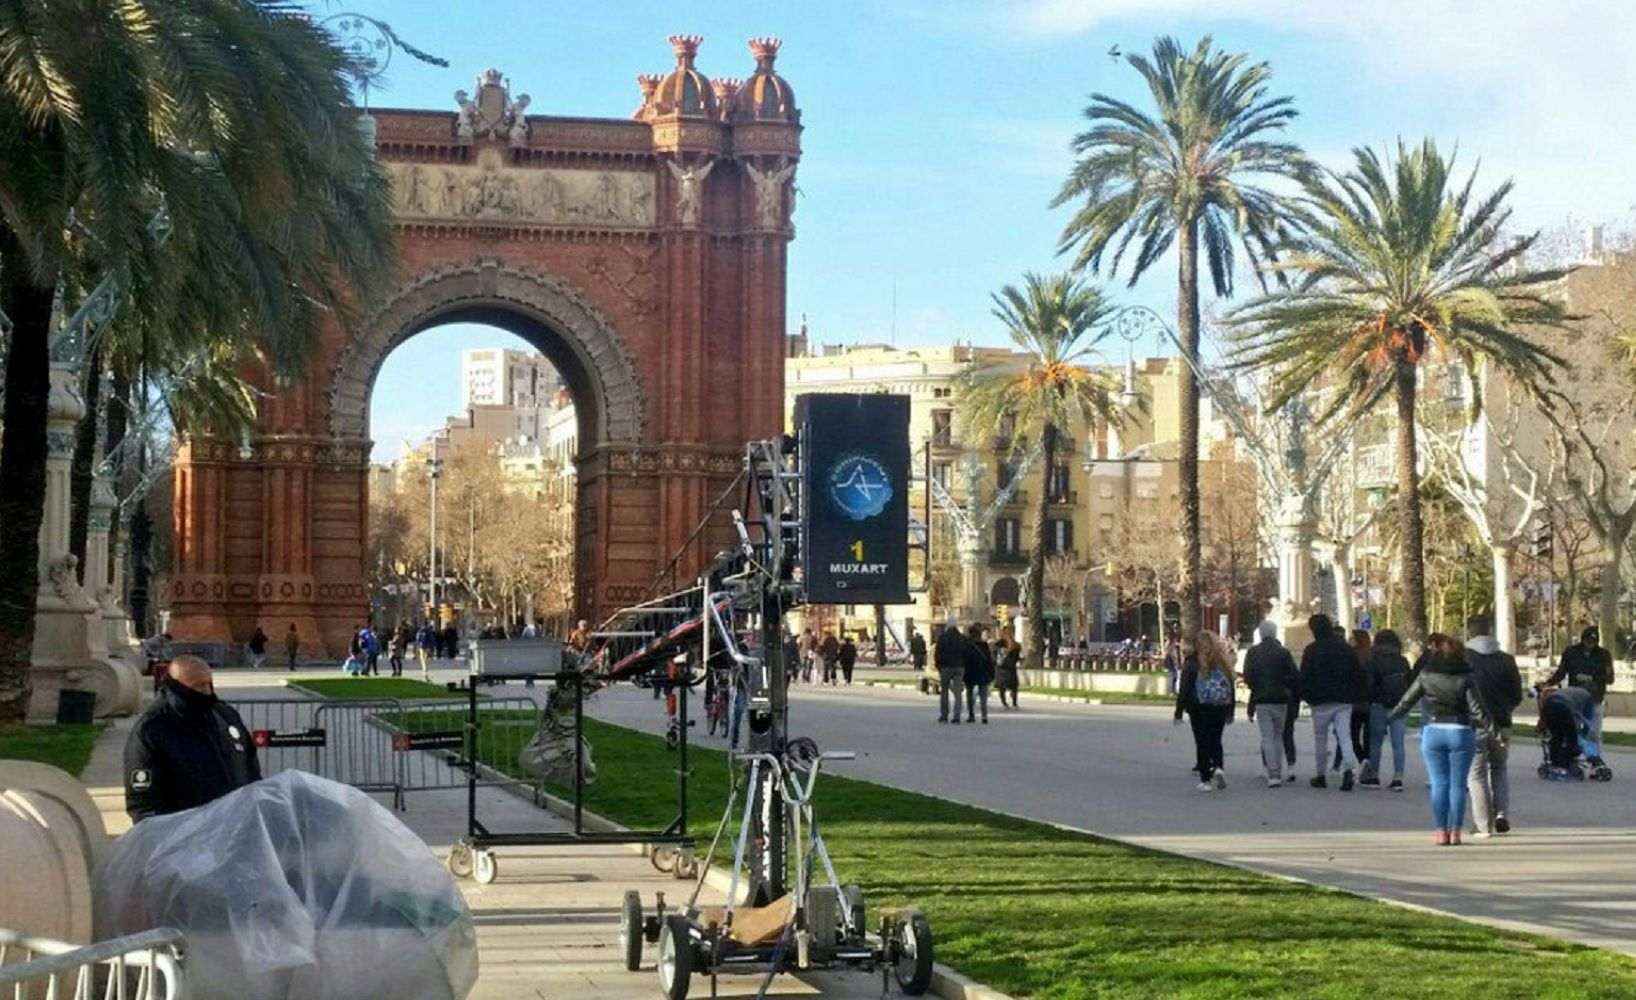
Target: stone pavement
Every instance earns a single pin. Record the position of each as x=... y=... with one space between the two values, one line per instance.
x=1122 y=771
x=548 y=926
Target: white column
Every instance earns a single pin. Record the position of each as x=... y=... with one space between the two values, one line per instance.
x=1295 y=530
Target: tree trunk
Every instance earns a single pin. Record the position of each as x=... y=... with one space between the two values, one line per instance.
x=1340 y=571
x=1505 y=619
x=85 y=453
x=22 y=470
x=1187 y=325
x=119 y=411
x=1607 y=608
x=1034 y=650
x=1411 y=525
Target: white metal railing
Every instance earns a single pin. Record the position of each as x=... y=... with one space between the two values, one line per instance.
x=145 y=966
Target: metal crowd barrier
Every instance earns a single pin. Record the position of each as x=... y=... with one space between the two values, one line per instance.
x=390 y=745
x=145 y=966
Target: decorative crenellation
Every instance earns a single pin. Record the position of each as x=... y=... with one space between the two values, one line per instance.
x=648 y=83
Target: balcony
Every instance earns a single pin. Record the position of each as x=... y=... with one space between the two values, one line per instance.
x=1008 y=558
x=1066 y=498
x=1018 y=499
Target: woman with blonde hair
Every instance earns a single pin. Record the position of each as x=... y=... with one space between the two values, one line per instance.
x=1206 y=692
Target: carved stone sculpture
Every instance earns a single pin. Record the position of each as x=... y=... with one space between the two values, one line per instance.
x=769 y=189
x=689 y=189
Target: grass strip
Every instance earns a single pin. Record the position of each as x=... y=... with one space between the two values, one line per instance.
x=66 y=746
x=1037 y=911
x=364 y=688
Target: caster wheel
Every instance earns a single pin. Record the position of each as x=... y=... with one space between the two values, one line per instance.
x=1602 y=774
x=675 y=959
x=630 y=930
x=662 y=858
x=1545 y=771
x=460 y=861
x=687 y=866
x=912 y=966
x=485 y=867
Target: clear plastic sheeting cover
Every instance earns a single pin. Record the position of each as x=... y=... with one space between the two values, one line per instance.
x=294 y=887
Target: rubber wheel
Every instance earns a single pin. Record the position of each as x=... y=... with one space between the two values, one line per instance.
x=675 y=958
x=460 y=861
x=662 y=858
x=485 y=868
x=687 y=866
x=630 y=930
x=1545 y=771
x=913 y=966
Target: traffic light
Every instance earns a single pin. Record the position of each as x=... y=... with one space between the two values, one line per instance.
x=1544 y=543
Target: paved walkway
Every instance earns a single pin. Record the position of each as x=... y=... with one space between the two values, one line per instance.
x=1121 y=771
x=548 y=926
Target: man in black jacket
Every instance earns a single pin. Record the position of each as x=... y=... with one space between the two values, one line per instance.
x=949 y=657
x=1329 y=671
x=1587 y=664
x=188 y=748
x=1270 y=674
x=1498 y=682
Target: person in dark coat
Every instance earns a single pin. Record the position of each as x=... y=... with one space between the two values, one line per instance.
x=1587 y=664
x=917 y=651
x=1274 y=683
x=1498 y=682
x=949 y=658
x=847 y=657
x=829 y=653
x=979 y=672
x=1007 y=669
x=188 y=748
x=1448 y=739
x=1388 y=679
x=1206 y=691
x=1329 y=683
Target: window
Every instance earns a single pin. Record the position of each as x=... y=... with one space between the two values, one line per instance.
x=1007 y=536
x=942 y=428
x=942 y=393
x=1058 y=484
x=1004 y=473
x=940 y=474
x=1059 y=536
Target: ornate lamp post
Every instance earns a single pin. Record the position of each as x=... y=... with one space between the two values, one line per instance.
x=434 y=468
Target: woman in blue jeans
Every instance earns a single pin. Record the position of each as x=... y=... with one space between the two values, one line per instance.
x=1448 y=739
x=1388 y=679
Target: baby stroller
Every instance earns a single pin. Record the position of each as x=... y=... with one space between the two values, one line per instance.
x=1565 y=738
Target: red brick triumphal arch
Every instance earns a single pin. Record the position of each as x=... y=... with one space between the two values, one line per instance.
x=644 y=257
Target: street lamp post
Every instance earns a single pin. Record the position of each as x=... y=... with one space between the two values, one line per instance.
x=434 y=468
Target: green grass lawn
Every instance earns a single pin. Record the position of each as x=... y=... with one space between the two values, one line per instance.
x=1040 y=912
x=67 y=747
x=352 y=688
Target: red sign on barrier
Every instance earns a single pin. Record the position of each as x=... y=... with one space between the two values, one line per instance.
x=442 y=739
x=264 y=738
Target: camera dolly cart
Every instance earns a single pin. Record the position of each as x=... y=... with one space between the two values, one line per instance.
x=819 y=924
x=473 y=855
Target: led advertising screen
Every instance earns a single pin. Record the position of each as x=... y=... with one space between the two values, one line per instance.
x=855 y=537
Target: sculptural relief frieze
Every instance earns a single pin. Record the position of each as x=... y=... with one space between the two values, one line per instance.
x=491 y=191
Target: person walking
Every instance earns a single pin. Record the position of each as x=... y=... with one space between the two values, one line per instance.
x=847 y=657
x=394 y=652
x=1498 y=682
x=1275 y=683
x=258 y=648
x=1007 y=672
x=806 y=648
x=1328 y=683
x=979 y=672
x=1448 y=739
x=917 y=652
x=371 y=644
x=424 y=649
x=949 y=657
x=1587 y=664
x=829 y=655
x=451 y=641
x=1205 y=693
x=1358 y=726
x=292 y=646
x=1173 y=663
x=1388 y=679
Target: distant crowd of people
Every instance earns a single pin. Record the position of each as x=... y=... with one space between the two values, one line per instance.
x=1360 y=688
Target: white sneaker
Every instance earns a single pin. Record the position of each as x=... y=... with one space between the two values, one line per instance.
x=1220 y=779
x=1205 y=786
x=1274 y=782
x=1481 y=834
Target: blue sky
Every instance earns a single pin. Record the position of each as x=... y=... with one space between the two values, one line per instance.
x=936 y=132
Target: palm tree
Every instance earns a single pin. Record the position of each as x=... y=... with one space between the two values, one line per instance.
x=1036 y=396
x=234 y=119
x=1191 y=173
x=1400 y=261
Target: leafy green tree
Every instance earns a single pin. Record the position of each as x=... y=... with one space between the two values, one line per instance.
x=1400 y=260
x=1036 y=396
x=1192 y=171
x=233 y=118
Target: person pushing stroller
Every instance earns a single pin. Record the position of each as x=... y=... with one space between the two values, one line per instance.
x=1567 y=727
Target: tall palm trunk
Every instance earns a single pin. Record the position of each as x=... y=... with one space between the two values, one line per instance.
x=22 y=470
x=85 y=450
x=1034 y=652
x=1411 y=526
x=1187 y=324
x=119 y=410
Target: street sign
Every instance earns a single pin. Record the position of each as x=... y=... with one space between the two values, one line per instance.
x=264 y=738
x=855 y=481
x=437 y=739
